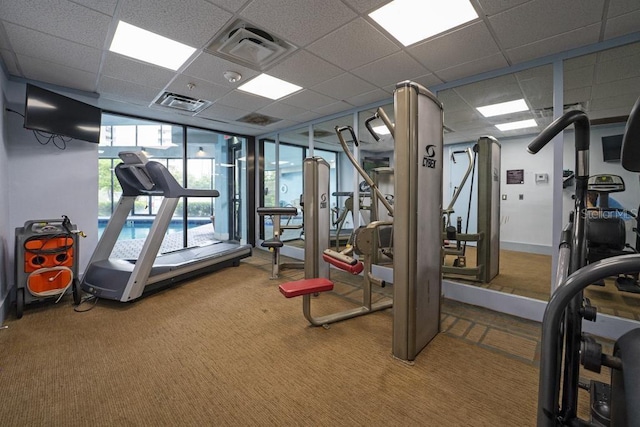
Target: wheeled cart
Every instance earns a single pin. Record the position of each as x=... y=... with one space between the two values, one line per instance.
x=46 y=264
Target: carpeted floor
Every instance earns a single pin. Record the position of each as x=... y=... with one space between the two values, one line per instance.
x=228 y=349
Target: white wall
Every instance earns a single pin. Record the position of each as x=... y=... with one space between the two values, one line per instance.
x=6 y=241
x=526 y=222
x=44 y=182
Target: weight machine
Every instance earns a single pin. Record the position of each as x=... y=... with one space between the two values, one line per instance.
x=417 y=210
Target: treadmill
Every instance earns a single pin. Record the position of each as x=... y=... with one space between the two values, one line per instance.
x=126 y=280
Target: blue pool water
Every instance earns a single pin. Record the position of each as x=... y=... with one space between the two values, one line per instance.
x=139 y=228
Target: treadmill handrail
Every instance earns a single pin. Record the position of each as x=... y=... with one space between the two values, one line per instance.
x=165 y=182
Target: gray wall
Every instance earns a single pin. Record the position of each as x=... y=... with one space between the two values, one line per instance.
x=43 y=182
x=6 y=241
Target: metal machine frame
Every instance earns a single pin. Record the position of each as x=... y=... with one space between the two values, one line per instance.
x=417 y=264
x=487 y=237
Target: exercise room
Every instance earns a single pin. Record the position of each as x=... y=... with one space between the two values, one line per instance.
x=341 y=212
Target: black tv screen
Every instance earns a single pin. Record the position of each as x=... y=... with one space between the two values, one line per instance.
x=611 y=147
x=50 y=112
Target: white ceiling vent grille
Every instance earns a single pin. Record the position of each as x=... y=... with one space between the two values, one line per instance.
x=181 y=102
x=247 y=45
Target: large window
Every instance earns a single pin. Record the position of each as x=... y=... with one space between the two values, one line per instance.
x=196 y=158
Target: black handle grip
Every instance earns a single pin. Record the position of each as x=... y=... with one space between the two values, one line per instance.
x=341 y=129
x=367 y=124
x=581 y=121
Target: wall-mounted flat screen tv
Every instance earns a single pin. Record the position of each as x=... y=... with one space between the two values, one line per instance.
x=611 y=148
x=56 y=114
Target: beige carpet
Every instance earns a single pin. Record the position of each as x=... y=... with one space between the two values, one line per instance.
x=228 y=349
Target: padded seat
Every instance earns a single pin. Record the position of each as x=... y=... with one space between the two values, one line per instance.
x=305 y=287
x=288 y=210
x=272 y=243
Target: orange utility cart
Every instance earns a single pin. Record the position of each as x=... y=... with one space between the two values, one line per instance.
x=46 y=266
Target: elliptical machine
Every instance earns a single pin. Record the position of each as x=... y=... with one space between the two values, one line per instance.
x=564 y=346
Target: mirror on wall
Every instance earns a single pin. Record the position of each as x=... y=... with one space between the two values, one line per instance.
x=521 y=205
x=606 y=85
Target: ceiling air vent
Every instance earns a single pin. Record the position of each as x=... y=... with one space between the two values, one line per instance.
x=181 y=102
x=258 y=119
x=247 y=45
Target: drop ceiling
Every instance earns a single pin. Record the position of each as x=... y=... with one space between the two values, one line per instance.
x=340 y=57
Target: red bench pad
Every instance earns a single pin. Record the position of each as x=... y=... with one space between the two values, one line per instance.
x=305 y=286
x=353 y=269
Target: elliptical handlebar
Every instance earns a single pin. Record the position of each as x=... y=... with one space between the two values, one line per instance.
x=577 y=117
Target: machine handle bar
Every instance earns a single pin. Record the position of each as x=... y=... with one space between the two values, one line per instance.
x=362 y=172
x=577 y=117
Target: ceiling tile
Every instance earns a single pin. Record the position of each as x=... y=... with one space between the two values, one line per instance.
x=369 y=98
x=428 y=80
x=574 y=96
x=344 y=86
x=620 y=7
x=615 y=105
x=458 y=47
x=43 y=46
x=223 y=112
x=579 y=62
x=478 y=66
x=57 y=74
x=107 y=7
x=307 y=116
x=131 y=92
x=391 y=69
x=452 y=101
x=304 y=69
x=232 y=5
x=632 y=49
x=365 y=6
x=334 y=108
x=211 y=68
x=122 y=68
x=300 y=24
x=542 y=19
x=555 y=44
x=483 y=93
x=9 y=60
x=4 y=39
x=621 y=25
x=618 y=69
x=280 y=110
x=192 y=22
x=354 y=45
x=244 y=101
x=61 y=18
x=308 y=99
x=493 y=7
x=616 y=88
x=201 y=89
x=578 y=77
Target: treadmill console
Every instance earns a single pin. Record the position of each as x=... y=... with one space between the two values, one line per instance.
x=605 y=183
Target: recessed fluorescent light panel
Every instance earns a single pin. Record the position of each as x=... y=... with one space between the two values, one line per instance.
x=269 y=87
x=410 y=21
x=146 y=46
x=503 y=108
x=381 y=130
x=517 y=125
